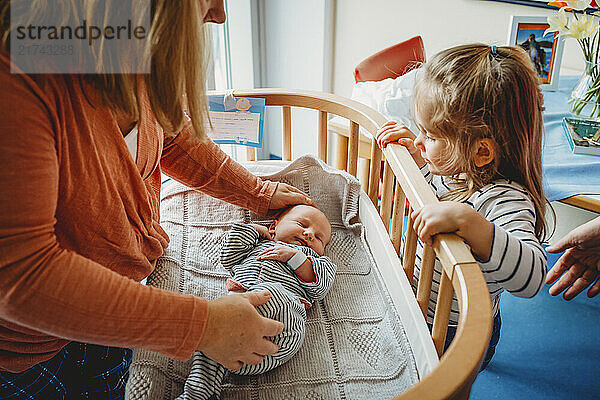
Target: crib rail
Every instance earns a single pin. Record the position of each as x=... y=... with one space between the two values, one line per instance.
x=460 y=271
x=404 y=184
x=326 y=103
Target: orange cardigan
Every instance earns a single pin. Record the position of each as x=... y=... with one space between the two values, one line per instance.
x=79 y=222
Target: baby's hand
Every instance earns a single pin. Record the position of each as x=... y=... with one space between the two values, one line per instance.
x=278 y=252
x=262 y=231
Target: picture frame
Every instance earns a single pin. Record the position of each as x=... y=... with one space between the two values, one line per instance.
x=530 y=3
x=545 y=51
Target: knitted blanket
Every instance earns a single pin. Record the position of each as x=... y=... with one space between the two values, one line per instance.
x=355 y=346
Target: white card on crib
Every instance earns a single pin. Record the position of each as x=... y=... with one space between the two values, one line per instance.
x=236 y=122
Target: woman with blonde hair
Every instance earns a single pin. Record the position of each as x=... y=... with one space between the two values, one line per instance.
x=79 y=219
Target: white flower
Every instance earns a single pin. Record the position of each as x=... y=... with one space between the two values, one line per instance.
x=578 y=4
x=583 y=27
x=558 y=23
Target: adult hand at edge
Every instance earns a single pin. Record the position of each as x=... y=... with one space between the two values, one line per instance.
x=236 y=334
x=579 y=266
x=287 y=195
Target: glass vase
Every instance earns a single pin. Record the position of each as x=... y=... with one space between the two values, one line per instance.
x=585 y=96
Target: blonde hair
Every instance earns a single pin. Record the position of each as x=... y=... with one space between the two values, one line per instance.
x=472 y=92
x=177 y=54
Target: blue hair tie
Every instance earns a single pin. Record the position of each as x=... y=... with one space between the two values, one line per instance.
x=494 y=50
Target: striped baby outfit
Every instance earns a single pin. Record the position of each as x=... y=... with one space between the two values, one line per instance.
x=290 y=297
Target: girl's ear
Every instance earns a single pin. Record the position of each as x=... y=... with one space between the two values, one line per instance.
x=485 y=152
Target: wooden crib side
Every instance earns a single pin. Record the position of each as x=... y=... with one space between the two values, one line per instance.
x=402 y=182
x=459 y=365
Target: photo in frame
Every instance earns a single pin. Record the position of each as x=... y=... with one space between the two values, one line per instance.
x=531 y=3
x=545 y=51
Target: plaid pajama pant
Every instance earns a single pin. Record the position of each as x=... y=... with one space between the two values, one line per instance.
x=78 y=371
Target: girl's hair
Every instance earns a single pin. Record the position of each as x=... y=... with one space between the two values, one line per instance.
x=177 y=54
x=474 y=91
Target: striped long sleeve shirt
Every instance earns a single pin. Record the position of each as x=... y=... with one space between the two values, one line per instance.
x=517 y=262
x=243 y=244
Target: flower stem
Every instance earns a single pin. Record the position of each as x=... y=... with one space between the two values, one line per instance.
x=590 y=95
x=587 y=93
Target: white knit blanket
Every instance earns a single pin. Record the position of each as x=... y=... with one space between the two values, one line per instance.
x=355 y=346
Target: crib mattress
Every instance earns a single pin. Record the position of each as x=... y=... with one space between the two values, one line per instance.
x=364 y=340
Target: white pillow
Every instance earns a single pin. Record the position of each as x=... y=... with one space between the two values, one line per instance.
x=391 y=97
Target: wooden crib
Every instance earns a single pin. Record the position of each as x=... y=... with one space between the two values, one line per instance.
x=453 y=377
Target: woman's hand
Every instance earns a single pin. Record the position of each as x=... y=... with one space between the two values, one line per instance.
x=393 y=131
x=279 y=252
x=453 y=217
x=286 y=195
x=579 y=266
x=236 y=334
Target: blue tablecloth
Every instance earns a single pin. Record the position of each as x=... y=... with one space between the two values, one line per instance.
x=565 y=174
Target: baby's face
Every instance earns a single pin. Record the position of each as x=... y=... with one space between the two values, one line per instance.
x=304 y=226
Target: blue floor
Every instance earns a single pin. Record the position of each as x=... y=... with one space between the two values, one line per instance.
x=549 y=349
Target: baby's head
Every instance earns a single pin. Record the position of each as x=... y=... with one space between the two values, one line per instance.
x=302 y=225
x=482 y=106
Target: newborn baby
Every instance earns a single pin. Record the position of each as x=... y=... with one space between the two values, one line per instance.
x=287 y=260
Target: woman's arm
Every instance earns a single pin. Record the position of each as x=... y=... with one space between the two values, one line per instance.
x=54 y=292
x=50 y=289
x=204 y=166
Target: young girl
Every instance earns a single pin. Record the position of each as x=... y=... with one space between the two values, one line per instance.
x=479 y=112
